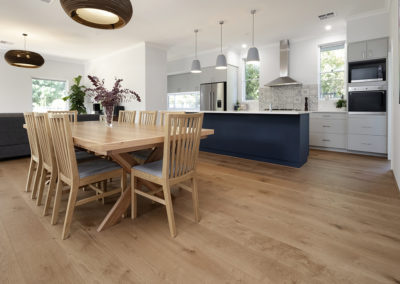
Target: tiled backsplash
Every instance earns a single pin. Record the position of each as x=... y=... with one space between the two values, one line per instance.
x=290 y=97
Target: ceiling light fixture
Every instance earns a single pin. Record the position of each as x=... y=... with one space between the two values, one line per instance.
x=196 y=67
x=253 y=56
x=244 y=45
x=328 y=27
x=221 y=59
x=24 y=58
x=100 y=14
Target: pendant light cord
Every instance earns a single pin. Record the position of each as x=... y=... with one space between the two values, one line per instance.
x=253 y=12
x=195 y=43
x=221 y=23
x=25 y=35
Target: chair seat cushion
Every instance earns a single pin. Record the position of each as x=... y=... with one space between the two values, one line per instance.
x=95 y=167
x=82 y=155
x=142 y=155
x=154 y=168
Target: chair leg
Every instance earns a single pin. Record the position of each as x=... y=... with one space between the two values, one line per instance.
x=30 y=176
x=195 y=197
x=57 y=201
x=36 y=180
x=50 y=192
x=134 y=184
x=70 y=211
x=41 y=187
x=170 y=210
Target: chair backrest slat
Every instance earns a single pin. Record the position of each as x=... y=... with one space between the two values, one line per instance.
x=127 y=116
x=32 y=135
x=147 y=117
x=61 y=134
x=164 y=112
x=45 y=141
x=72 y=114
x=181 y=145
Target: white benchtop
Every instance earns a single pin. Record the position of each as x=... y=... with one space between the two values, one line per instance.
x=260 y=112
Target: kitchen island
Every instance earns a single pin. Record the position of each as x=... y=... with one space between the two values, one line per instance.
x=279 y=137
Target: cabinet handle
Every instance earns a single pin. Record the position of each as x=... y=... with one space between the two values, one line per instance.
x=326 y=126
x=368 y=144
x=366 y=127
x=326 y=140
x=363 y=55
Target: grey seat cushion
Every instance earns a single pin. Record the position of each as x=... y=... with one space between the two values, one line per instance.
x=82 y=155
x=94 y=167
x=154 y=168
x=142 y=155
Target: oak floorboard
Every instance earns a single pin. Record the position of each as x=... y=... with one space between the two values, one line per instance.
x=335 y=220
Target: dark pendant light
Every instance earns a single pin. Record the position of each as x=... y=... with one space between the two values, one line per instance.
x=100 y=14
x=24 y=58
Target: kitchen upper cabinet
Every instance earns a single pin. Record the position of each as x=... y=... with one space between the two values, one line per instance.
x=377 y=48
x=367 y=50
x=357 y=51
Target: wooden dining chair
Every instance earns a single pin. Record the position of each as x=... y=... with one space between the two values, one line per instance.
x=72 y=114
x=147 y=117
x=181 y=148
x=127 y=116
x=74 y=175
x=35 y=166
x=164 y=112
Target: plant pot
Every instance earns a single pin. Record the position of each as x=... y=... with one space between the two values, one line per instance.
x=109 y=115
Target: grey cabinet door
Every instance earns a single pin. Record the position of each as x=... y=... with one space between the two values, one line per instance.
x=357 y=51
x=377 y=48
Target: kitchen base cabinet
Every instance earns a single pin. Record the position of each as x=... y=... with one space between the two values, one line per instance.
x=368 y=143
x=328 y=130
x=330 y=140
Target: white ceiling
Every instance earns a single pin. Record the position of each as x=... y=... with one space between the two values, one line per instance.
x=170 y=23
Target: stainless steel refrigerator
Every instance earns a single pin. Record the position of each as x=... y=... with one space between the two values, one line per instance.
x=213 y=96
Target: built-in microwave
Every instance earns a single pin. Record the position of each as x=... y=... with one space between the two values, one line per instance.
x=367 y=71
x=367 y=99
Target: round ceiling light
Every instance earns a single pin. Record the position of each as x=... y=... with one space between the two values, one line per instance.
x=100 y=14
x=24 y=58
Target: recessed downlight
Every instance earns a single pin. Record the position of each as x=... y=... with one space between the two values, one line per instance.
x=244 y=45
x=328 y=27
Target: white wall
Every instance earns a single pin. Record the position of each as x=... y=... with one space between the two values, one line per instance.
x=394 y=87
x=127 y=64
x=143 y=69
x=16 y=83
x=371 y=27
x=156 y=78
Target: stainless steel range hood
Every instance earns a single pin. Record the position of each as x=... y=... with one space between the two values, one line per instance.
x=284 y=79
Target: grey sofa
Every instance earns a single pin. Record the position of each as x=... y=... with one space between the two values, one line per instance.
x=13 y=137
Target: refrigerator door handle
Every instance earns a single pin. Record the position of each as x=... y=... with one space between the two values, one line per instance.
x=210 y=101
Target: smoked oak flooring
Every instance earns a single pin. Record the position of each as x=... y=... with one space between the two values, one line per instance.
x=335 y=220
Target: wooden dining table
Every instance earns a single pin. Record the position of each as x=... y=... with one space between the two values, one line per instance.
x=117 y=142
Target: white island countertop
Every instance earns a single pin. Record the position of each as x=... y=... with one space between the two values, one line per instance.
x=260 y=112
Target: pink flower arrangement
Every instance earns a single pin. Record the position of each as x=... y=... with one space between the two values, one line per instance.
x=110 y=98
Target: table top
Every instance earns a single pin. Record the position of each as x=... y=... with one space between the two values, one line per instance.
x=95 y=136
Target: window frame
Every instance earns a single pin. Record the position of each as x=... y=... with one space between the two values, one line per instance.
x=327 y=45
x=244 y=82
x=67 y=87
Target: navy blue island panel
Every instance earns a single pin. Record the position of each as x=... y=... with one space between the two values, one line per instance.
x=275 y=138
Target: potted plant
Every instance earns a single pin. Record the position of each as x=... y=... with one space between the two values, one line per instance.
x=341 y=103
x=110 y=98
x=77 y=96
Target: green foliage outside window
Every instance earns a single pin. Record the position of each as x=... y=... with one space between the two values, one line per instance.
x=48 y=94
x=252 y=80
x=332 y=77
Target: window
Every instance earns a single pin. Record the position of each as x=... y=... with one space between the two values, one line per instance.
x=184 y=101
x=252 y=81
x=332 y=66
x=48 y=94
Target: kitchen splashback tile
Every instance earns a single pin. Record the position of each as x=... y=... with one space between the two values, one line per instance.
x=290 y=97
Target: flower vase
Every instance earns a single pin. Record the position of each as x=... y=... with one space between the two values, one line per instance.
x=109 y=115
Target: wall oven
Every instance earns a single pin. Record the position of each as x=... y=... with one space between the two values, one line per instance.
x=367 y=71
x=367 y=99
